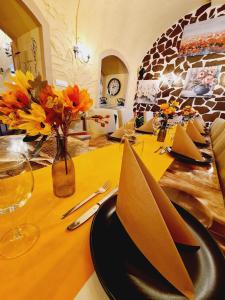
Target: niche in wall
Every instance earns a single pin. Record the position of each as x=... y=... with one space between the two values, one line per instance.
x=163 y=63
x=113 y=82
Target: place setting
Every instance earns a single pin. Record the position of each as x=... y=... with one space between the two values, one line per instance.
x=112 y=150
x=142 y=215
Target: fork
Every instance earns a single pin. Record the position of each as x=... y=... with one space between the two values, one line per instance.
x=164 y=150
x=101 y=190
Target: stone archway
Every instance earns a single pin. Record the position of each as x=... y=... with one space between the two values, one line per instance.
x=28 y=18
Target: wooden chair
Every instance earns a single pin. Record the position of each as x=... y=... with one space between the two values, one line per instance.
x=217 y=127
x=219 y=144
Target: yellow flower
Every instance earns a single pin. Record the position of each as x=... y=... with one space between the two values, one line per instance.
x=164 y=106
x=12 y=120
x=175 y=103
x=34 y=122
x=169 y=110
x=20 y=81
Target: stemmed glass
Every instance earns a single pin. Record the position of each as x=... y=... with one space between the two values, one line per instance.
x=16 y=186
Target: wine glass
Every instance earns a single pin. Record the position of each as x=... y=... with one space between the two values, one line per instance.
x=16 y=186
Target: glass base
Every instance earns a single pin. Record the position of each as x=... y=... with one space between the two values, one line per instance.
x=18 y=240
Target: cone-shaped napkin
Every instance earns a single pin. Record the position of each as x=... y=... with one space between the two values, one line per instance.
x=119 y=133
x=200 y=119
x=183 y=144
x=152 y=222
x=199 y=126
x=194 y=134
x=147 y=127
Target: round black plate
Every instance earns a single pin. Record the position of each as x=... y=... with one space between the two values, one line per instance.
x=202 y=145
x=144 y=132
x=208 y=158
x=111 y=138
x=126 y=274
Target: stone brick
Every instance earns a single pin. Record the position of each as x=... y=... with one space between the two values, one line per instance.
x=218 y=91
x=158 y=68
x=202 y=109
x=169 y=68
x=176 y=31
x=211 y=116
x=193 y=59
x=210 y=103
x=197 y=64
x=215 y=63
x=199 y=101
x=189 y=101
x=203 y=17
x=201 y=10
x=220 y=106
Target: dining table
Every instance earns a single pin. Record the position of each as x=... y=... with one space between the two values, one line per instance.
x=59 y=266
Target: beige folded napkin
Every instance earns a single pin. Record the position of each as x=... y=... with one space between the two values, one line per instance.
x=183 y=144
x=147 y=127
x=200 y=119
x=119 y=133
x=199 y=125
x=194 y=134
x=152 y=222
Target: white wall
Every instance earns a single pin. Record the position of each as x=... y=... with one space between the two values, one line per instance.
x=127 y=26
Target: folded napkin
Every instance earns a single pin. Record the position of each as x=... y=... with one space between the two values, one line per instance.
x=119 y=133
x=183 y=144
x=152 y=222
x=199 y=125
x=194 y=133
x=200 y=119
x=147 y=127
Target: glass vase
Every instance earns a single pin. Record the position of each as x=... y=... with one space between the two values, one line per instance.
x=63 y=171
x=162 y=132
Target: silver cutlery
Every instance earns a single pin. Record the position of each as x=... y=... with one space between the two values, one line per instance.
x=101 y=190
x=89 y=213
x=158 y=149
x=164 y=150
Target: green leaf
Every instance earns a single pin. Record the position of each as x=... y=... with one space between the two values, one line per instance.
x=28 y=138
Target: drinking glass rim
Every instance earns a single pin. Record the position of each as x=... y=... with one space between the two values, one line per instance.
x=7 y=153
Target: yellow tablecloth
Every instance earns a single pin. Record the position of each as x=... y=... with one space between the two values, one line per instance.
x=60 y=262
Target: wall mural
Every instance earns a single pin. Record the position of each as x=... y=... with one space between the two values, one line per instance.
x=164 y=63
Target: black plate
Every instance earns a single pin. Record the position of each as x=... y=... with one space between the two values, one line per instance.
x=144 y=132
x=111 y=138
x=208 y=158
x=202 y=145
x=125 y=273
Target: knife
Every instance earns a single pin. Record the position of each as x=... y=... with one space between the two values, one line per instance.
x=88 y=214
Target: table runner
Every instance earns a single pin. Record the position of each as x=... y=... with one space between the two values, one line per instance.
x=60 y=263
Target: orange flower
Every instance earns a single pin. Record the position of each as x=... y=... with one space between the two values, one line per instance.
x=73 y=94
x=164 y=106
x=13 y=100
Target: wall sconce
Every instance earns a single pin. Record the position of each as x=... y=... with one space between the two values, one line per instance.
x=81 y=53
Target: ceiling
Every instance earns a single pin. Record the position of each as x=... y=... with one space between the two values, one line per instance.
x=16 y=19
x=113 y=65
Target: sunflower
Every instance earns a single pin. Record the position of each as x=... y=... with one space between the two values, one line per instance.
x=20 y=81
x=34 y=122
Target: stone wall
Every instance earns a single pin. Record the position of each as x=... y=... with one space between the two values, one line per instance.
x=162 y=60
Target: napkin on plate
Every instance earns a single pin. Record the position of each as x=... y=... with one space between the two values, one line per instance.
x=199 y=125
x=147 y=127
x=183 y=144
x=200 y=119
x=152 y=222
x=194 y=133
x=119 y=133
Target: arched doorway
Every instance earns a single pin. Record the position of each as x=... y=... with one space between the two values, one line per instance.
x=114 y=80
x=23 y=22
